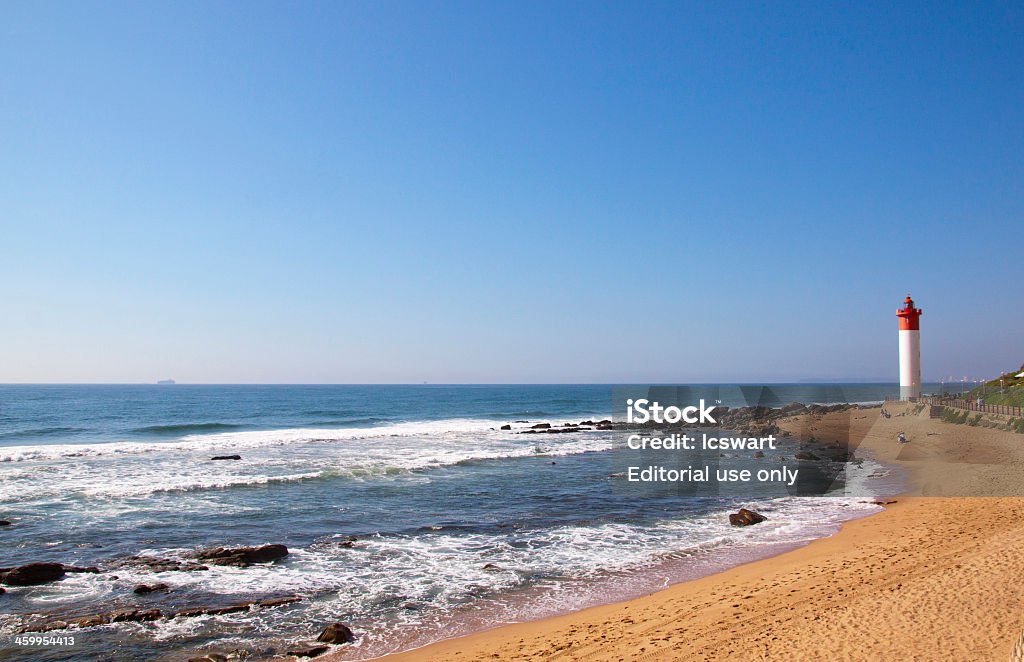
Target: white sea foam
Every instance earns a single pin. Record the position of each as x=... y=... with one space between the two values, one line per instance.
x=245 y=440
x=134 y=469
x=419 y=582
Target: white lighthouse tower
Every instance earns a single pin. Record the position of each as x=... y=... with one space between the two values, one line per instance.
x=910 y=349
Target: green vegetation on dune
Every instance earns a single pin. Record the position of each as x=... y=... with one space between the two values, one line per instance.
x=1006 y=389
x=957 y=416
x=964 y=417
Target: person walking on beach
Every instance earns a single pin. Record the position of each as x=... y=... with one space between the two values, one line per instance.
x=901 y=438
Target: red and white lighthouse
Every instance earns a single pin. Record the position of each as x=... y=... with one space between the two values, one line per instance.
x=910 y=349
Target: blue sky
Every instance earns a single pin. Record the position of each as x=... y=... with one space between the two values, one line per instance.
x=508 y=192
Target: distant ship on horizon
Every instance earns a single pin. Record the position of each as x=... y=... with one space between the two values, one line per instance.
x=166 y=381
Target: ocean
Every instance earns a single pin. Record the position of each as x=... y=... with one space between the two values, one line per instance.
x=409 y=514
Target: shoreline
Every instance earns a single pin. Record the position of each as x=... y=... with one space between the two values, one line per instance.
x=885 y=584
x=654 y=579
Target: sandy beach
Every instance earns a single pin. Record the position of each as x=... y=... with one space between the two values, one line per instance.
x=929 y=578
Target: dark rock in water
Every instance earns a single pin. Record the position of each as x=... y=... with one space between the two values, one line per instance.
x=49 y=626
x=242 y=556
x=192 y=612
x=277 y=602
x=541 y=426
x=226 y=457
x=522 y=421
x=145 y=615
x=32 y=574
x=135 y=615
x=746 y=517
x=142 y=589
x=2 y=590
x=757 y=455
x=215 y=611
x=232 y=656
x=92 y=570
x=506 y=427
x=154 y=564
x=309 y=651
x=491 y=566
x=587 y=423
x=806 y=456
x=91 y=621
x=230 y=609
x=4 y=522
x=336 y=633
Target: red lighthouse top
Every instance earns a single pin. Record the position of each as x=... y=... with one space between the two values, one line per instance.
x=909 y=315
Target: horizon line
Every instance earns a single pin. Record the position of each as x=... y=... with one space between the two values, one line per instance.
x=808 y=381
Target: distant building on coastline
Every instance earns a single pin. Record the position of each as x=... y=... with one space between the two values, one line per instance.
x=164 y=382
x=910 y=349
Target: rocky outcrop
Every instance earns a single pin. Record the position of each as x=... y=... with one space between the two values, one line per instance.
x=235 y=608
x=336 y=633
x=192 y=612
x=135 y=615
x=156 y=564
x=242 y=557
x=94 y=620
x=308 y=651
x=541 y=426
x=554 y=430
x=506 y=427
x=142 y=615
x=277 y=602
x=143 y=589
x=32 y=574
x=231 y=656
x=4 y=522
x=226 y=457
x=746 y=517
